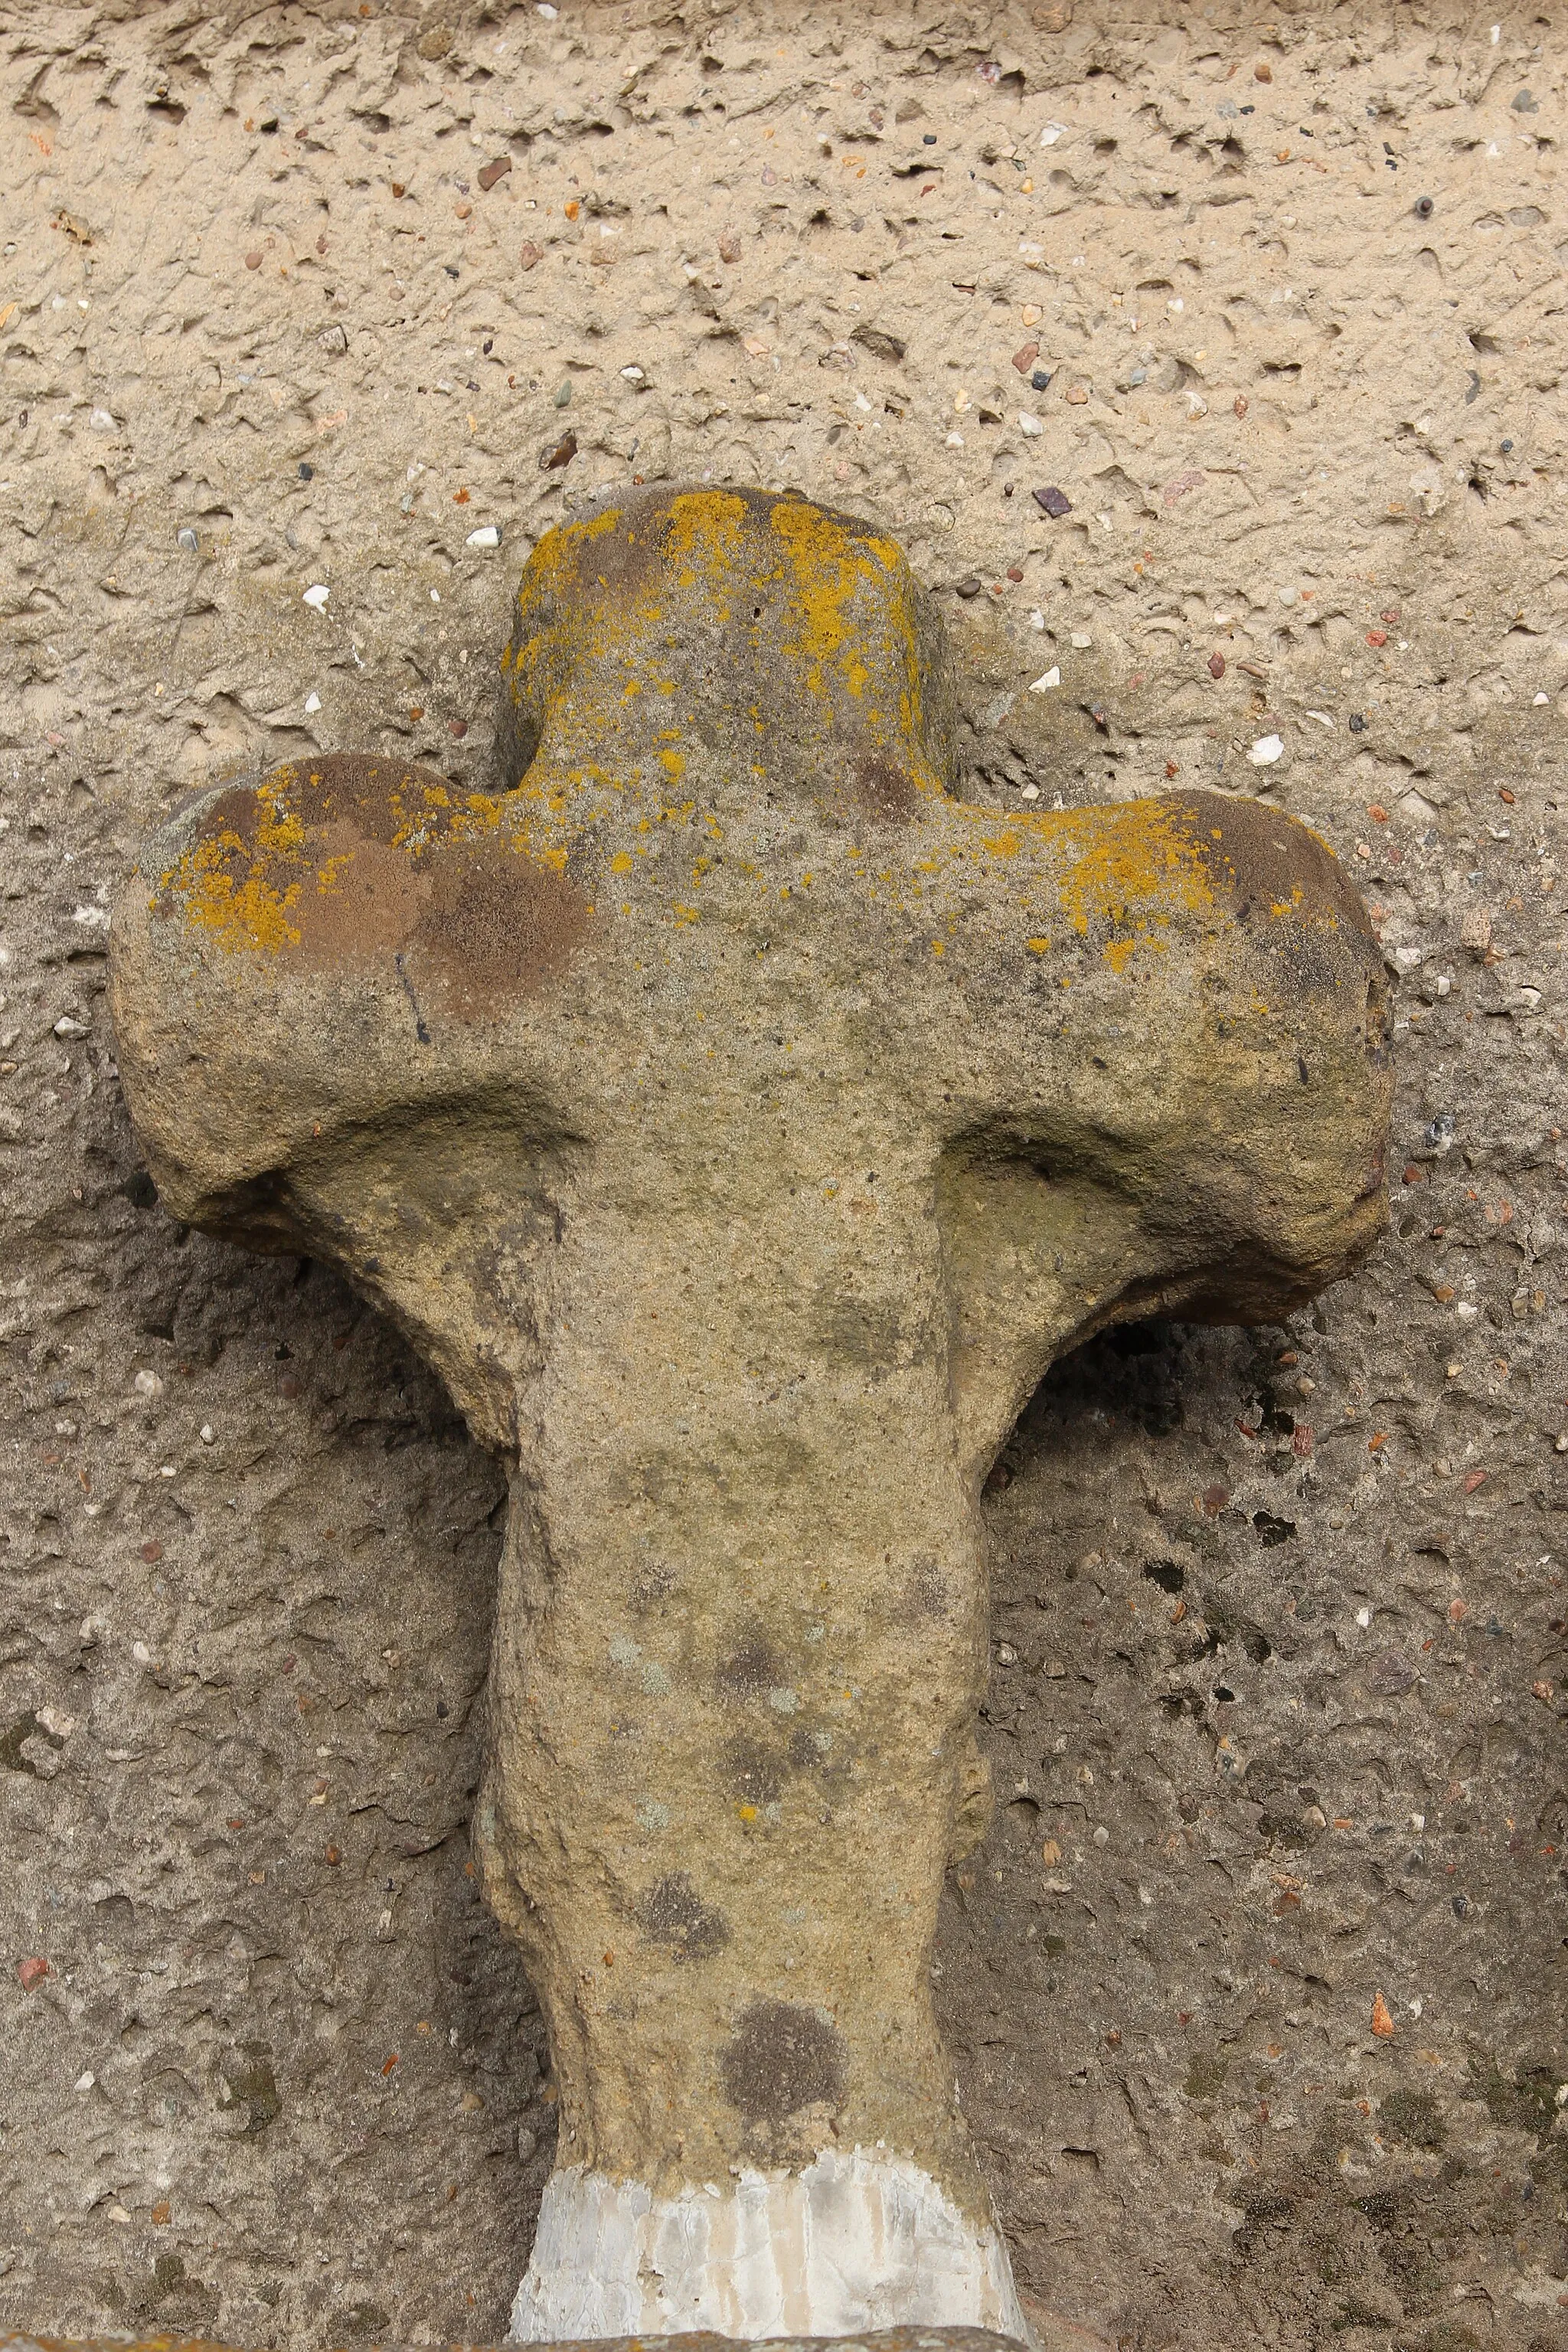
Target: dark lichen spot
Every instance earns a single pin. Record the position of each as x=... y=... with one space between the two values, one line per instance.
x=782 y=2058
x=1411 y=2116
x=751 y=1667
x=751 y=1772
x=673 y=1914
x=1205 y=2075
x=249 y=2081
x=1526 y=2103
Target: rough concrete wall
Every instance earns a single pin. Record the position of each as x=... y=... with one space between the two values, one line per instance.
x=1257 y=1992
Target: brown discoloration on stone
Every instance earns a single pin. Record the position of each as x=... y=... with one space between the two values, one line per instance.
x=367 y=903
x=369 y=795
x=1271 y=868
x=781 y=2059
x=349 y=858
x=884 y=791
x=495 y=926
x=744 y=1214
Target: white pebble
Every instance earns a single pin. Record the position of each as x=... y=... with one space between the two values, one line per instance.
x=313 y=703
x=147 y=1384
x=1467 y=1311
x=486 y=535
x=1037 y=618
x=1265 y=751
x=207 y=1433
x=1539 y=699
x=955 y=440
x=1364 y=1618
x=1030 y=793
x=1082 y=640
x=1322 y=718
x=1029 y=425
x=316 y=597
x=635 y=375
x=1051 y=134
x=1043 y=684
x=85 y=2082
x=542 y=8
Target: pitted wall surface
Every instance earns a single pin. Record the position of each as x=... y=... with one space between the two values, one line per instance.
x=1257 y=1988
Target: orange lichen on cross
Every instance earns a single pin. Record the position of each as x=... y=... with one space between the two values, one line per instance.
x=1148 y=859
x=252 y=912
x=830 y=564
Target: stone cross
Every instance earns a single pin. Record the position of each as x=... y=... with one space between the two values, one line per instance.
x=741 y=1122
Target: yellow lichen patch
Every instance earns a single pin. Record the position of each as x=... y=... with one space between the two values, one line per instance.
x=620 y=863
x=480 y=813
x=830 y=563
x=254 y=914
x=705 y=528
x=1037 y=946
x=1140 y=855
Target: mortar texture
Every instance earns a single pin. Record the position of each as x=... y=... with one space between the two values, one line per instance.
x=1278 y=2055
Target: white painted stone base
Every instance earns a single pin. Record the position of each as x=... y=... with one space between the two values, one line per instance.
x=853 y=2243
